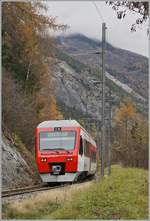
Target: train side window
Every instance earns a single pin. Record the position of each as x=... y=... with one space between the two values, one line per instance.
x=81 y=146
x=86 y=148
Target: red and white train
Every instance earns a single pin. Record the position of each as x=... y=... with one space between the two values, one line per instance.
x=64 y=151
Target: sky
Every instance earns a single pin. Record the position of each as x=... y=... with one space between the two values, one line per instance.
x=83 y=18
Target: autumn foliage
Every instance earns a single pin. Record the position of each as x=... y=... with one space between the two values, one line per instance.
x=28 y=96
x=125 y=113
x=130 y=137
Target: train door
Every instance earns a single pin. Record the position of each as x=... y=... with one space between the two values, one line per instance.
x=87 y=161
x=81 y=155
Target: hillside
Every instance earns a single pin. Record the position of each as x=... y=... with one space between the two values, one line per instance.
x=75 y=88
x=123 y=195
x=27 y=92
x=128 y=67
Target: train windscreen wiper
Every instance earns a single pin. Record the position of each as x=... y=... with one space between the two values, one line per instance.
x=56 y=149
x=49 y=149
x=62 y=149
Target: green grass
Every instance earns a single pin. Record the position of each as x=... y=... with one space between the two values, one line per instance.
x=123 y=195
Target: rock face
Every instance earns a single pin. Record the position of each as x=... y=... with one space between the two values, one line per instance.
x=127 y=67
x=76 y=90
x=82 y=90
x=15 y=171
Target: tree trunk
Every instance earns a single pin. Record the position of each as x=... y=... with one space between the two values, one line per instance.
x=28 y=70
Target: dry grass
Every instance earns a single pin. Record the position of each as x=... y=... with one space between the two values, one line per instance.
x=29 y=206
x=123 y=195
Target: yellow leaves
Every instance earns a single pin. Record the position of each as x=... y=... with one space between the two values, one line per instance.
x=140 y=130
x=54 y=113
x=47 y=107
x=125 y=112
x=28 y=31
x=22 y=25
x=25 y=27
x=130 y=135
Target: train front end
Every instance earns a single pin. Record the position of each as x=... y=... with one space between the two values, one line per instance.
x=57 y=151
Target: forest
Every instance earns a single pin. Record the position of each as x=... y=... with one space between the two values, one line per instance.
x=27 y=91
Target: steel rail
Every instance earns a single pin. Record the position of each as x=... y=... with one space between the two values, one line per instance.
x=20 y=191
x=37 y=188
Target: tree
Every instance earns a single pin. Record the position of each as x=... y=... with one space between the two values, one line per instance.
x=130 y=137
x=18 y=110
x=125 y=114
x=28 y=93
x=22 y=26
x=122 y=7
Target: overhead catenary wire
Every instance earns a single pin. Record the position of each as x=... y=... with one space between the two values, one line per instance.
x=98 y=11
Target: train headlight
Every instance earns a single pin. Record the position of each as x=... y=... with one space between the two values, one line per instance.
x=69 y=159
x=43 y=160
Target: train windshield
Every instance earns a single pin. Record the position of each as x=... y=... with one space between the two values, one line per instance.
x=64 y=140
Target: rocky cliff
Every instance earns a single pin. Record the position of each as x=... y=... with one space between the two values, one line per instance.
x=127 y=67
x=15 y=170
x=75 y=89
x=81 y=91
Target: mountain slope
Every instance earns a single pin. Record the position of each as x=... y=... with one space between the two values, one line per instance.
x=128 y=67
x=76 y=91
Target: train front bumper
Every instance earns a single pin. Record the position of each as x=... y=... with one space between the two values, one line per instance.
x=67 y=177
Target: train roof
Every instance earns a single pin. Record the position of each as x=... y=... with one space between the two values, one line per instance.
x=59 y=123
x=63 y=123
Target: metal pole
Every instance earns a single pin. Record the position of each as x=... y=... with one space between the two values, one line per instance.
x=109 y=134
x=98 y=151
x=103 y=100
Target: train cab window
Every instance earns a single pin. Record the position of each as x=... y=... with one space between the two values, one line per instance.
x=81 y=146
x=57 y=140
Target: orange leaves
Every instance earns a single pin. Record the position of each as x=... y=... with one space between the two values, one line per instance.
x=47 y=107
x=125 y=112
x=26 y=52
x=54 y=113
x=130 y=134
x=23 y=25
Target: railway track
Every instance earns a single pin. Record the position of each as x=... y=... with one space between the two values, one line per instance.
x=36 y=188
